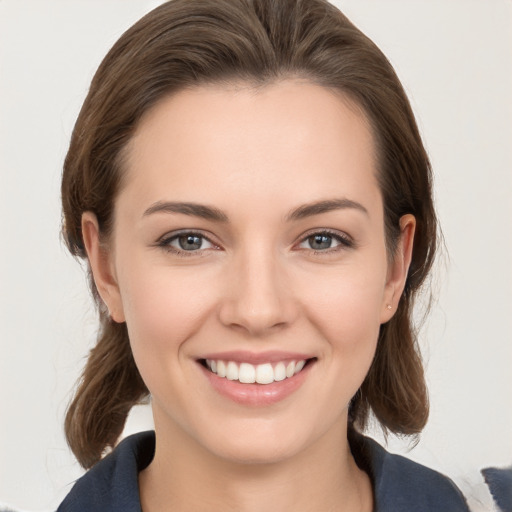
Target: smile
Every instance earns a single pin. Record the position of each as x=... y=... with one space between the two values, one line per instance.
x=256 y=380
x=247 y=373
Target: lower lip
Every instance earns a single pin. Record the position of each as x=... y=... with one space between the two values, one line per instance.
x=257 y=394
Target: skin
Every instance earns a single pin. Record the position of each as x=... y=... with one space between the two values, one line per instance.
x=256 y=284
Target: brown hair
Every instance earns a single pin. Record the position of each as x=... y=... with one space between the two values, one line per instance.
x=185 y=43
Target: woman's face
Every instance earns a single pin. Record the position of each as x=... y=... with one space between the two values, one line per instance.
x=249 y=236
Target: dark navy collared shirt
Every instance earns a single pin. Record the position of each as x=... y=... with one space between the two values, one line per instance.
x=399 y=484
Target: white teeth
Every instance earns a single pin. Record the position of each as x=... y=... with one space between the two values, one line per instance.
x=299 y=366
x=279 y=372
x=264 y=374
x=290 y=369
x=232 y=371
x=249 y=374
x=221 y=369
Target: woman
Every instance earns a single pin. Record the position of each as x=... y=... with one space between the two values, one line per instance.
x=247 y=183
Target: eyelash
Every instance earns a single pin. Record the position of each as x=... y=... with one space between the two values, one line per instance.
x=166 y=240
x=345 y=242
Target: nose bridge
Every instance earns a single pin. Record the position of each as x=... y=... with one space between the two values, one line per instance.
x=257 y=298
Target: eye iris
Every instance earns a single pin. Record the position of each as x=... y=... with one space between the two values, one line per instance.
x=190 y=242
x=320 y=241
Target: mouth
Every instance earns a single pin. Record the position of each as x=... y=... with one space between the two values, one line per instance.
x=256 y=379
x=263 y=373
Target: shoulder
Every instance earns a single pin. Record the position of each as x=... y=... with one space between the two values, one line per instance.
x=112 y=484
x=402 y=485
x=499 y=481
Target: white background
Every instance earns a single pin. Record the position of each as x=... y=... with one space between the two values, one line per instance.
x=455 y=60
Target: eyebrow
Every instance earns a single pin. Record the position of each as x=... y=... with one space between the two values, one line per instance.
x=308 y=210
x=193 y=209
x=216 y=215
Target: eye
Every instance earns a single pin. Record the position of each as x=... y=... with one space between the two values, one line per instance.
x=325 y=241
x=185 y=242
x=190 y=242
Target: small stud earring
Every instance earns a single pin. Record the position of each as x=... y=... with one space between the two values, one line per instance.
x=389 y=306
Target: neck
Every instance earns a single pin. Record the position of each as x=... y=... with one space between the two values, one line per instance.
x=183 y=476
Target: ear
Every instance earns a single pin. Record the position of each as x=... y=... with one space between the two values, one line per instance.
x=398 y=268
x=102 y=268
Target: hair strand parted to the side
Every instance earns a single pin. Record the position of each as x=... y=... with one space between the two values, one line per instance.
x=109 y=387
x=186 y=43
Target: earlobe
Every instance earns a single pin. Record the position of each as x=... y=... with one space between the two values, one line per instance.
x=100 y=261
x=399 y=267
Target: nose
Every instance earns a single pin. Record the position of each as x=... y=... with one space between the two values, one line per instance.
x=258 y=298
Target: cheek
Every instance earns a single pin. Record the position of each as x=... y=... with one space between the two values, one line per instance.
x=347 y=301
x=346 y=313
x=163 y=310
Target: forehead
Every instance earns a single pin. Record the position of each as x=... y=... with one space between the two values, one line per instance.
x=288 y=141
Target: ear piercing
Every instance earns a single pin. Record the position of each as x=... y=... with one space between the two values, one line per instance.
x=389 y=306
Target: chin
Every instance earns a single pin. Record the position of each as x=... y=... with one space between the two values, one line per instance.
x=250 y=452
x=259 y=443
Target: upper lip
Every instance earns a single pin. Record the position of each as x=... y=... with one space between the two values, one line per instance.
x=271 y=356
